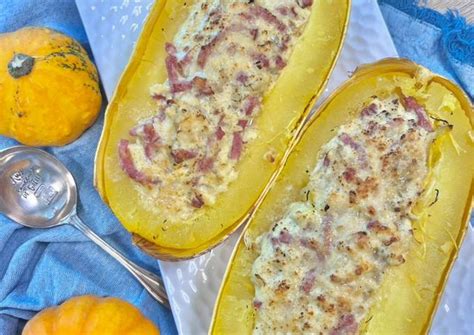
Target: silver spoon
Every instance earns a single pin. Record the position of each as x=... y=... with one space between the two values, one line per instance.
x=37 y=191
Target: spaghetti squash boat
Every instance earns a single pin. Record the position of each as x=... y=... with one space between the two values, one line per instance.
x=363 y=224
x=203 y=115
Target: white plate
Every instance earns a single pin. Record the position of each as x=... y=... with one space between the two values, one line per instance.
x=114 y=25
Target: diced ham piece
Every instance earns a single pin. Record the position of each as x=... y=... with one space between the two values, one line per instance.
x=279 y=63
x=242 y=78
x=372 y=127
x=315 y=246
x=423 y=121
x=202 y=86
x=127 y=165
x=150 y=135
x=275 y=241
x=150 y=150
x=219 y=133
x=151 y=139
x=376 y=226
x=346 y=325
x=161 y=116
x=134 y=131
x=349 y=174
x=369 y=110
x=254 y=33
x=305 y=3
x=206 y=164
x=146 y=131
x=285 y=237
x=261 y=61
x=326 y=161
x=263 y=13
x=237 y=144
x=347 y=140
x=242 y=123
x=283 y=10
x=197 y=201
x=181 y=86
x=186 y=60
x=293 y=10
x=207 y=49
x=257 y=304
x=173 y=68
x=250 y=104
x=308 y=281
x=158 y=97
x=170 y=49
x=397 y=121
x=126 y=162
x=181 y=155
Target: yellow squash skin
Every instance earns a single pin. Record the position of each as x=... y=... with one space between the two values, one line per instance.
x=284 y=109
x=55 y=97
x=409 y=293
x=90 y=315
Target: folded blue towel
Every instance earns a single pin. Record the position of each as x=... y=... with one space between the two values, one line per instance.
x=40 y=268
x=442 y=43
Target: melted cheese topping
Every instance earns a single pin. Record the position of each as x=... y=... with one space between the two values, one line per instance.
x=320 y=264
x=221 y=63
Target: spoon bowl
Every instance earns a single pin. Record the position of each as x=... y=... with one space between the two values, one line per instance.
x=38 y=191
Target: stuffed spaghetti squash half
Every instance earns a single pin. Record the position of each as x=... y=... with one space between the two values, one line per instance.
x=360 y=230
x=209 y=104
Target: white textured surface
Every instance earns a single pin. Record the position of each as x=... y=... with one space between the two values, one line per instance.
x=455 y=315
x=114 y=25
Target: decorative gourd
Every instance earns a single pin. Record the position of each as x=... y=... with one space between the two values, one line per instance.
x=410 y=293
x=90 y=315
x=282 y=113
x=49 y=88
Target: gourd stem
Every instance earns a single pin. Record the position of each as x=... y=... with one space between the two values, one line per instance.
x=20 y=65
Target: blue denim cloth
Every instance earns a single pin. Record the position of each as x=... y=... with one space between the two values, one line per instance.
x=442 y=43
x=40 y=268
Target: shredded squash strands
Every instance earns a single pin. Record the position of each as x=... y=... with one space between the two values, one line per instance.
x=456 y=146
x=446 y=247
x=452 y=238
x=417 y=295
x=410 y=293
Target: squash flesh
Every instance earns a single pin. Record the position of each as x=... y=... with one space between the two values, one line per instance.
x=282 y=113
x=409 y=293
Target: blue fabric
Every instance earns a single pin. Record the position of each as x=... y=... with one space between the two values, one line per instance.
x=442 y=43
x=40 y=268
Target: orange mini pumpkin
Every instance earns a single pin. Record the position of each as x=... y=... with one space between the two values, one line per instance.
x=90 y=315
x=49 y=88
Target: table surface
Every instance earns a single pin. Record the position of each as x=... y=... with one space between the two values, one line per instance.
x=465 y=7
